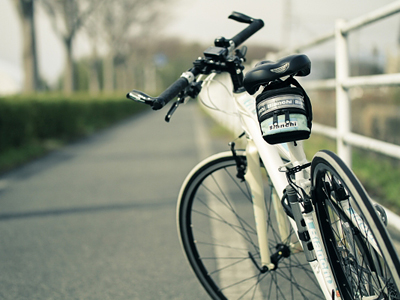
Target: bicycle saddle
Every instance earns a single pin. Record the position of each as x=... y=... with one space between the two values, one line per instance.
x=267 y=71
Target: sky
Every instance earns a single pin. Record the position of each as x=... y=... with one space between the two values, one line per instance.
x=204 y=20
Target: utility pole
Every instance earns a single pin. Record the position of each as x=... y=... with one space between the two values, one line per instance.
x=286 y=24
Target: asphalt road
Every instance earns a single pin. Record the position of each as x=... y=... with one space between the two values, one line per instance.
x=96 y=219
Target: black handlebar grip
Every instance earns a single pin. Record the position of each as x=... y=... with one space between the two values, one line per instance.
x=170 y=93
x=256 y=25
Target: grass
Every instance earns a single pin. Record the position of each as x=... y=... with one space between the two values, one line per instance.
x=316 y=143
x=379 y=174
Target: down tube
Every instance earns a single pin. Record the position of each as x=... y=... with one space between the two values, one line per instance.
x=268 y=153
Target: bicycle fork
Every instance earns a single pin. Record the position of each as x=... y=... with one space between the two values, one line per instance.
x=254 y=178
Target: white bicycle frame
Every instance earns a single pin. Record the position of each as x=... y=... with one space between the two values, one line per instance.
x=274 y=157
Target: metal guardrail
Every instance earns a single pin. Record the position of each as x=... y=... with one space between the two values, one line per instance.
x=344 y=137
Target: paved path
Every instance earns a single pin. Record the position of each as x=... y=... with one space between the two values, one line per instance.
x=96 y=219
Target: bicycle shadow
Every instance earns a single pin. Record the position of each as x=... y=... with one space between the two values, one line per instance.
x=83 y=210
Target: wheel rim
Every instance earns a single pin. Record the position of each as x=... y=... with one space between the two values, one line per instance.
x=360 y=270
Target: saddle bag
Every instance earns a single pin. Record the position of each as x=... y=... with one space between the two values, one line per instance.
x=284 y=112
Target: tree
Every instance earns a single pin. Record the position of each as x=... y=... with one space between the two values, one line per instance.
x=127 y=25
x=67 y=17
x=26 y=13
x=94 y=62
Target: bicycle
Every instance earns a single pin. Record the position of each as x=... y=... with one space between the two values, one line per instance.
x=263 y=222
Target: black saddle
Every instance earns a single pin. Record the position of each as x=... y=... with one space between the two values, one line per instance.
x=267 y=71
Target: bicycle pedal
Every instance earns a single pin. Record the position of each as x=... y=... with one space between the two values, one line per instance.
x=381 y=213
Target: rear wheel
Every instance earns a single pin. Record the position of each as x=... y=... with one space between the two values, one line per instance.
x=360 y=252
x=217 y=231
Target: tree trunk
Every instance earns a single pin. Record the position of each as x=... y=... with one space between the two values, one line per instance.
x=94 y=84
x=119 y=77
x=26 y=12
x=109 y=72
x=69 y=68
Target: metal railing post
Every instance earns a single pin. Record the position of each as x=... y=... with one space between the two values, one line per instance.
x=343 y=106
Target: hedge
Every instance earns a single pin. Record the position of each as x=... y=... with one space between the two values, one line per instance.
x=31 y=119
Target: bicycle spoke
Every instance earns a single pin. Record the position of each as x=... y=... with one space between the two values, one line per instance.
x=225 y=222
x=221 y=245
x=240 y=259
x=234 y=227
x=246 y=192
x=224 y=241
x=247 y=195
x=355 y=255
x=229 y=207
x=238 y=282
x=253 y=287
x=294 y=283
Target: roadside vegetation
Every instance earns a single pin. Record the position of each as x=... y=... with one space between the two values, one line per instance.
x=32 y=125
x=379 y=174
x=136 y=55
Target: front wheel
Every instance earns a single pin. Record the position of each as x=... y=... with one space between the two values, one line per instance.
x=217 y=231
x=363 y=260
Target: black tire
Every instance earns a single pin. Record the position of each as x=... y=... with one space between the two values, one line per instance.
x=217 y=232
x=359 y=250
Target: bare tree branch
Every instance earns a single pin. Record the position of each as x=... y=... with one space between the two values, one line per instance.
x=120 y=22
x=67 y=17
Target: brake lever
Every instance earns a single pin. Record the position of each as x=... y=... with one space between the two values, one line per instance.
x=192 y=91
x=241 y=53
x=174 y=107
x=171 y=111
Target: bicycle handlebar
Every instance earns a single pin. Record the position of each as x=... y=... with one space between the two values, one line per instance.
x=170 y=93
x=175 y=88
x=255 y=25
x=188 y=77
